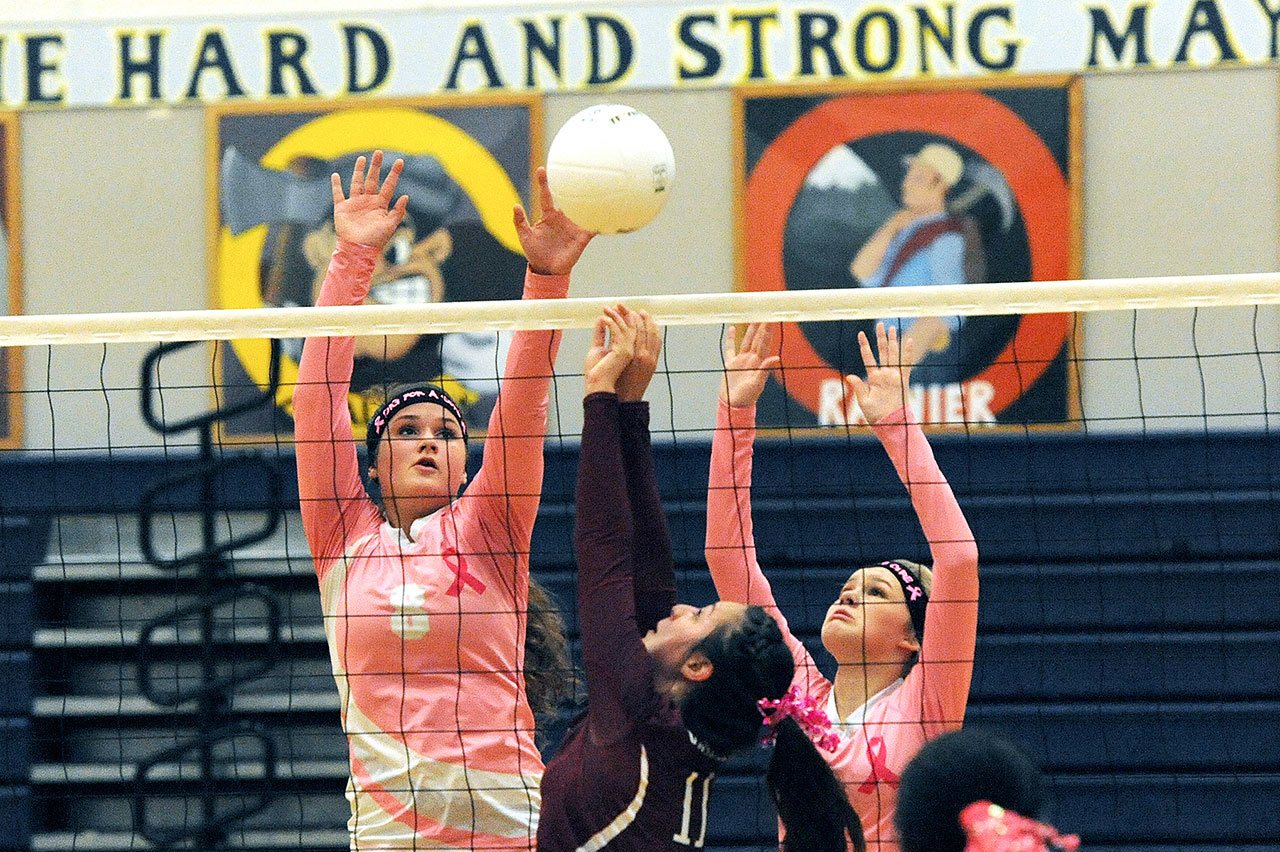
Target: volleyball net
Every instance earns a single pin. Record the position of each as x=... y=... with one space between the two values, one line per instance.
x=1110 y=442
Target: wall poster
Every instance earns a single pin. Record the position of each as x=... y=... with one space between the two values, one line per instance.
x=468 y=161
x=950 y=183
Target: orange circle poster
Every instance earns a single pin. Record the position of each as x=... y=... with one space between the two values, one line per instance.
x=908 y=187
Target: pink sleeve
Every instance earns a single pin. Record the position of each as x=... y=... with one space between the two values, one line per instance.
x=951 y=620
x=508 y=487
x=335 y=507
x=730 y=545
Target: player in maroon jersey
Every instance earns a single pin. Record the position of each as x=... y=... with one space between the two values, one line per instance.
x=673 y=690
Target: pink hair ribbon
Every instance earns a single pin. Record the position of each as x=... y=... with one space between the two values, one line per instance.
x=991 y=828
x=811 y=718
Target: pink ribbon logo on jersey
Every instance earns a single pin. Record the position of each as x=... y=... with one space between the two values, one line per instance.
x=877 y=753
x=458 y=565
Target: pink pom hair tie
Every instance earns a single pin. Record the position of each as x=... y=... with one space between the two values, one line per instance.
x=811 y=718
x=991 y=828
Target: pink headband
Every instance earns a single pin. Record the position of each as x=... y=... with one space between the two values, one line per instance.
x=811 y=718
x=991 y=828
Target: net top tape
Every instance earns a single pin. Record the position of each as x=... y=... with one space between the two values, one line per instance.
x=1037 y=297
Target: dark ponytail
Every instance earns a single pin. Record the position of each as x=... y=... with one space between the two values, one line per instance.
x=751 y=661
x=810 y=799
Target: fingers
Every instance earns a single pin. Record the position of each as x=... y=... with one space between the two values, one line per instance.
x=761 y=338
x=615 y=319
x=598 y=332
x=654 y=335
x=620 y=341
x=629 y=334
x=758 y=338
x=374 y=173
x=402 y=207
x=357 y=177
x=767 y=336
x=908 y=352
x=728 y=343
x=336 y=180
x=520 y=218
x=546 y=202
x=896 y=347
x=887 y=340
x=648 y=339
x=868 y=357
x=393 y=178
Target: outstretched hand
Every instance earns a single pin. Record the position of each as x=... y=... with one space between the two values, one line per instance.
x=553 y=244
x=747 y=364
x=613 y=345
x=884 y=390
x=367 y=215
x=635 y=378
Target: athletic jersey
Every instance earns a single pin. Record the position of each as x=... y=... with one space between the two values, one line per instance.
x=426 y=628
x=893 y=725
x=627 y=775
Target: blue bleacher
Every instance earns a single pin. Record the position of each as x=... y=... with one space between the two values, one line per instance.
x=1128 y=624
x=23 y=539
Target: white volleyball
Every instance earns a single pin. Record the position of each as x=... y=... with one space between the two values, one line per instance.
x=610 y=169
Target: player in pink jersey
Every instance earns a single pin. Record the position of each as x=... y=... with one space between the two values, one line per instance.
x=673 y=690
x=903 y=670
x=426 y=594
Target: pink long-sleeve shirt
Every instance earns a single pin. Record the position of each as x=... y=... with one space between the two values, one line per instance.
x=887 y=731
x=426 y=627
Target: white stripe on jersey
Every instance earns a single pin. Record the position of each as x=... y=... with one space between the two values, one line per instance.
x=628 y=816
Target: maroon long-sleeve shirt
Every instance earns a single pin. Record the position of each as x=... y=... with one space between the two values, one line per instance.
x=627 y=775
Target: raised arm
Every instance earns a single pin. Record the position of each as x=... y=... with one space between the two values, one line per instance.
x=951 y=620
x=508 y=487
x=333 y=501
x=654 y=571
x=730 y=543
x=619 y=670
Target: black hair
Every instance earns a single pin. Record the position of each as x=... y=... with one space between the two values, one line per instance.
x=750 y=661
x=954 y=771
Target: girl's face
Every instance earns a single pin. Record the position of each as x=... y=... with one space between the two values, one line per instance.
x=422 y=462
x=676 y=635
x=869 y=621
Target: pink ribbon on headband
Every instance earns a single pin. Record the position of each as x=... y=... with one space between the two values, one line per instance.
x=811 y=718
x=991 y=828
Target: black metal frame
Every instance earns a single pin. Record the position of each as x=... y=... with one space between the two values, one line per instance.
x=225 y=799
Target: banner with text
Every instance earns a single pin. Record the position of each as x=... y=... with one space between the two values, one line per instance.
x=616 y=47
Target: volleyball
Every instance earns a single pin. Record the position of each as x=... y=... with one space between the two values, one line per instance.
x=610 y=169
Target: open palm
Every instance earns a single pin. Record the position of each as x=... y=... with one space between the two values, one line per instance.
x=553 y=244
x=747 y=364
x=884 y=390
x=367 y=215
x=613 y=344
